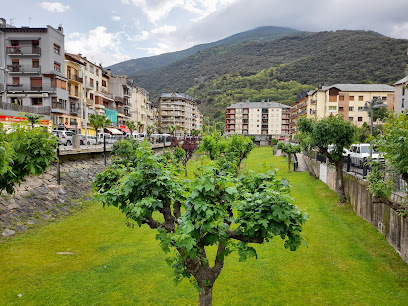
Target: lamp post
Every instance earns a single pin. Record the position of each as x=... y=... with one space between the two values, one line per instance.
x=369 y=107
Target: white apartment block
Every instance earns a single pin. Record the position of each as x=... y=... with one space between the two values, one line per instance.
x=178 y=109
x=401 y=95
x=258 y=118
x=32 y=71
x=347 y=100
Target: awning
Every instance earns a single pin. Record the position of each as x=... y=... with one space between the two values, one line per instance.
x=114 y=131
x=125 y=129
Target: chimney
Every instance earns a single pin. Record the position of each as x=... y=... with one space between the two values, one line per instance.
x=60 y=28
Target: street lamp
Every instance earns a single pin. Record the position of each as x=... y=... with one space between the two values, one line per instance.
x=369 y=107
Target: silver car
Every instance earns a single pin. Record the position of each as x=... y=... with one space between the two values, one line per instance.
x=65 y=137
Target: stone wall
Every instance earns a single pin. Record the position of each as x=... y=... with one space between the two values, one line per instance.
x=40 y=198
x=382 y=214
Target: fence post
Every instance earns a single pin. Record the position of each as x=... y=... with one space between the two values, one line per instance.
x=364 y=167
x=58 y=167
x=348 y=163
x=104 y=149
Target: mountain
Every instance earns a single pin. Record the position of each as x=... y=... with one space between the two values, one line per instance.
x=308 y=58
x=137 y=66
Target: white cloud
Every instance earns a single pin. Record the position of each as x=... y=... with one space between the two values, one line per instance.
x=54 y=7
x=400 y=30
x=116 y=18
x=156 y=10
x=98 y=45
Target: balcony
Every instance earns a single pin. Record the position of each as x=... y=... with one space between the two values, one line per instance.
x=313 y=102
x=89 y=85
x=44 y=110
x=74 y=109
x=23 y=50
x=89 y=102
x=58 y=106
x=107 y=94
x=23 y=69
x=28 y=87
x=120 y=100
x=75 y=78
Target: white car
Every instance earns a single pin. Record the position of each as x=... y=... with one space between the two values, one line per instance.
x=360 y=152
x=87 y=139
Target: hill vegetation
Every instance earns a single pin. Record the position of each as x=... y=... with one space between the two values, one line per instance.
x=138 y=66
x=307 y=58
x=215 y=95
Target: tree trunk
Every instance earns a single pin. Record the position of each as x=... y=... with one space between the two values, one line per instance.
x=339 y=180
x=205 y=296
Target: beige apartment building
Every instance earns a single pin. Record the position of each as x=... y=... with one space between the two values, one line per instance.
x=347 y=100
x=258 y=118
x=178 y=109
x=401 y=95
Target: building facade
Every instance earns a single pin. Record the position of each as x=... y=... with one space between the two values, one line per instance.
x=401 y=95
x=258 y=118
x=121 y=87
x=178 y=109
x=32 y=68
x=346 y=100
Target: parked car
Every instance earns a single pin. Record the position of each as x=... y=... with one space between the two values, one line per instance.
x=359 y=153
x=65 y=137
x=87 y=139
x=108 y=138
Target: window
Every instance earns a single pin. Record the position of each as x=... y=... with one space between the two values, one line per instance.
x=351 y=118
x=91 y=96
x=341 y=98
x=36 y=101
x=97 y=71
x=18 y=101
x=360 y=119
x=341 y=108
x=351 y=108
x=15 y=65
x=103 y=83
x=360 y=108
x=57 y=49
x=16 y=81
x=72 y=121
x=91 y=81
x=332 y=108
x=36 y=83
x=402 y=103
x=36 y=63
x=57 y=66
x=351 y=98
x=14 y=43
x=360 y=98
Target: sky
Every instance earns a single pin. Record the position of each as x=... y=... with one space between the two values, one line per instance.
x=112 y=31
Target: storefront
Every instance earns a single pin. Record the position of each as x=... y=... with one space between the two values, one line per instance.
x=9 y=121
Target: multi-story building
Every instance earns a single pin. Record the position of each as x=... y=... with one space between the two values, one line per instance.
x=258 y=118
x=121 y=87
x=347 y=100
x=401 y=95
x=177 y=109
x=32 y=67
x=142 y=110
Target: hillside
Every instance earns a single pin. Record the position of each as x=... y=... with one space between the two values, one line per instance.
x=214 y=96
x=307 y=58
x=137 y=66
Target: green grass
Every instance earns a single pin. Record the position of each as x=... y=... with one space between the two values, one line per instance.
x=346 y=262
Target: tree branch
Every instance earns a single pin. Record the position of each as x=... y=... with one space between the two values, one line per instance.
x=235 y=235
x=151 y=222
x=219 y=263
x=176 y=210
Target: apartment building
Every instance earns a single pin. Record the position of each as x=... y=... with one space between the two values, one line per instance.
x=32 y=72
x=121 y=87
x=258 y=118
x=347 y=100
x=401 y=95
x=177 y=109
x=142 y=109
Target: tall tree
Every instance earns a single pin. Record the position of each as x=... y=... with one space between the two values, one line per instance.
x=332 y=130
x=290 y=150
x=132 y=126
x=394 y=143
x=214 y=209
x=98 y=122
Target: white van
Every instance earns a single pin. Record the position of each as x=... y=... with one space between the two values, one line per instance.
x=108 y=138
x=360 y=152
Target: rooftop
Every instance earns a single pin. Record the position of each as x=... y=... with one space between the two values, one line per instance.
x=176 y=95
x=258 y=105
x=360 y=87
x=402 y=81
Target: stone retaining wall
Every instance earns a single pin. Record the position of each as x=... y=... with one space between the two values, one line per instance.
x=382 y=214
x=40 y=198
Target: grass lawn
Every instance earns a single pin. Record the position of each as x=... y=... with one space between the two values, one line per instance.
x=346 y=262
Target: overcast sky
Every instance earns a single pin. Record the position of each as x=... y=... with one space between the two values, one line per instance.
x=111 y=31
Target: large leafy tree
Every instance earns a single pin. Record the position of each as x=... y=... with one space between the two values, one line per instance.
x=33 y=118
x=98 y=122
x=22 y=152
x=394 y=143
x=214 y=209
x=332 y=130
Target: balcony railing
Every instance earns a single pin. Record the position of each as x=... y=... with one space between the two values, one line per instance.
x=28 y=87
x=59 y=105
x=76 y=78
x=44 y=110
x=120 y=99
x=23 y=50
x=74 y=110
x=23 y=69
